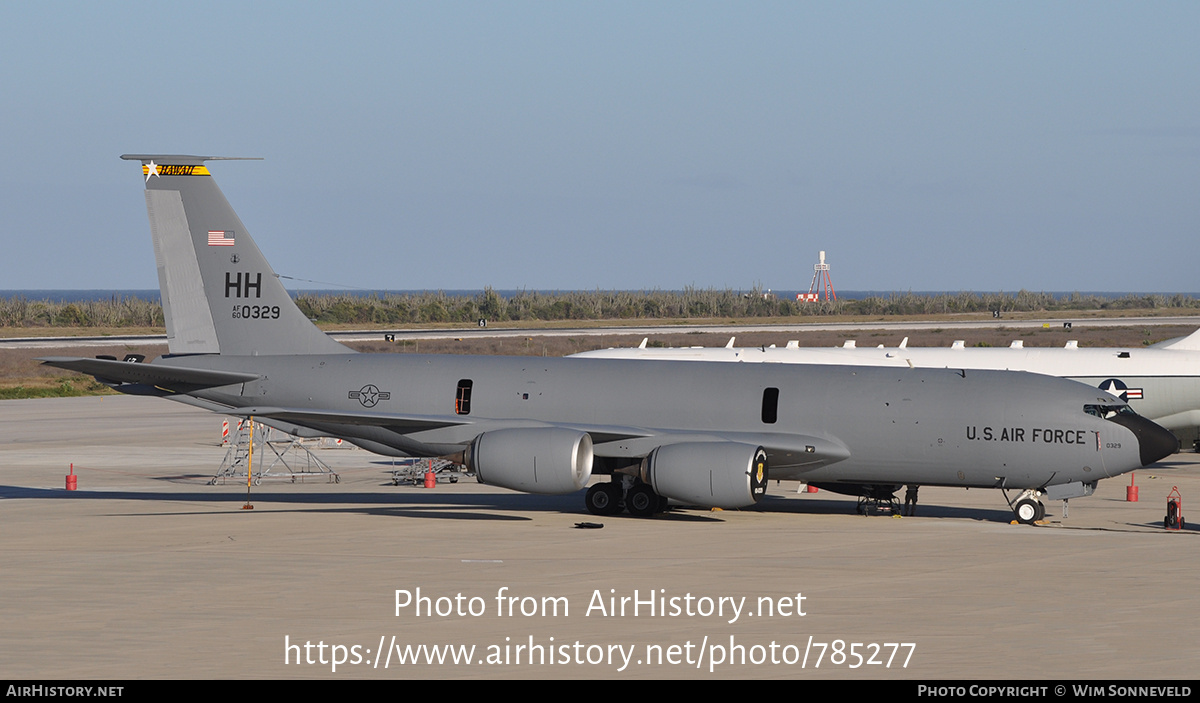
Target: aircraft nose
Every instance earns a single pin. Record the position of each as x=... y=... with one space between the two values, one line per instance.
x=1154 y=442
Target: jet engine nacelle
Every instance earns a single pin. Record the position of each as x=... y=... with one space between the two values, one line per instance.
x=714 y=474
x=547 y=460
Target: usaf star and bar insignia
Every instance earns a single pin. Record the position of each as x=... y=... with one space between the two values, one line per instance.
x=1118 y=388
x=369 y=395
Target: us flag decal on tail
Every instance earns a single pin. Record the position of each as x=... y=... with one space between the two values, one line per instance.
x=220 y=238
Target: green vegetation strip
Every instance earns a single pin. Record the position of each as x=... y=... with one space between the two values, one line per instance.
x=433 y=308
x=65 y=388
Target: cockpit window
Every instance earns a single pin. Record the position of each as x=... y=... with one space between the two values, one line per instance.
x=1108 y=411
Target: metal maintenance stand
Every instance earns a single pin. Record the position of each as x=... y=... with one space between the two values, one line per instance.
x=303 y=462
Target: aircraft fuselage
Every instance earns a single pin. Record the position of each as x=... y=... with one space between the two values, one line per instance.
x=920 y=426
x=1160 y=384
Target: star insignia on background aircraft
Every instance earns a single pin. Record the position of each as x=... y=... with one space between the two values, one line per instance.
x=1118 y=388
x=151 y=170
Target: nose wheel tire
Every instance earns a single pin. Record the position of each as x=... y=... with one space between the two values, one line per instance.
x=1029 y=511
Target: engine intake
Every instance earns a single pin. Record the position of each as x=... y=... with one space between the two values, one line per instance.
x=547 y=460
x=714 y=474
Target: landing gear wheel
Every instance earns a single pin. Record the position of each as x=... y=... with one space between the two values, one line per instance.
x=603 y=499
x=1029 y=511
x=641 y=501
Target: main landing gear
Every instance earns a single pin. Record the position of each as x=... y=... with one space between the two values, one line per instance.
x=1027 y=508
x=610 y=497
x=604 y=498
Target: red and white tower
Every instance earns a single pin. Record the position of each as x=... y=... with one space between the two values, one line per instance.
x=821 y=284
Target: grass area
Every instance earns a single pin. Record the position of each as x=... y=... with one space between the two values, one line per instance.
x=21 y=317
x=23 y=376
x=76 y=331
x=60 y=387
x=15 y=332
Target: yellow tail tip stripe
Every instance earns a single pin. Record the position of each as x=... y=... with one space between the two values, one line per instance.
x=165 y=170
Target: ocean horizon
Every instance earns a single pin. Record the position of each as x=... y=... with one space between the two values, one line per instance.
x=151 y=294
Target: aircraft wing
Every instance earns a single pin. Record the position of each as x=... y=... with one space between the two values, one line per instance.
x=177 y=379
x=402 y=424
x=407 y=424
x=785 y=450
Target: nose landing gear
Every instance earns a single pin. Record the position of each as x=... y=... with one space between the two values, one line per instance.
x=1027 y=508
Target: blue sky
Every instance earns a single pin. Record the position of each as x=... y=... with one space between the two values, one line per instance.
x=628 y=145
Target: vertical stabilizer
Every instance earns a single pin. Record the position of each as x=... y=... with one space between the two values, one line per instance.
x=219 y=294
x=1189 y=343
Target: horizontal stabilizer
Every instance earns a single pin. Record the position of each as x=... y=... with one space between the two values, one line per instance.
x=188 y=159
x=174 y=378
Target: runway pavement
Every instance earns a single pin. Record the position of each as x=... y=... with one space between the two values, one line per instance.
x=147 y=571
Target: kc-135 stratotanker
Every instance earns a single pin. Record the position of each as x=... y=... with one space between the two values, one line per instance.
x=699 y=434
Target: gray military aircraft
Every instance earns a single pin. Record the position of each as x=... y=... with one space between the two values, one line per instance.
x=701 y=434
